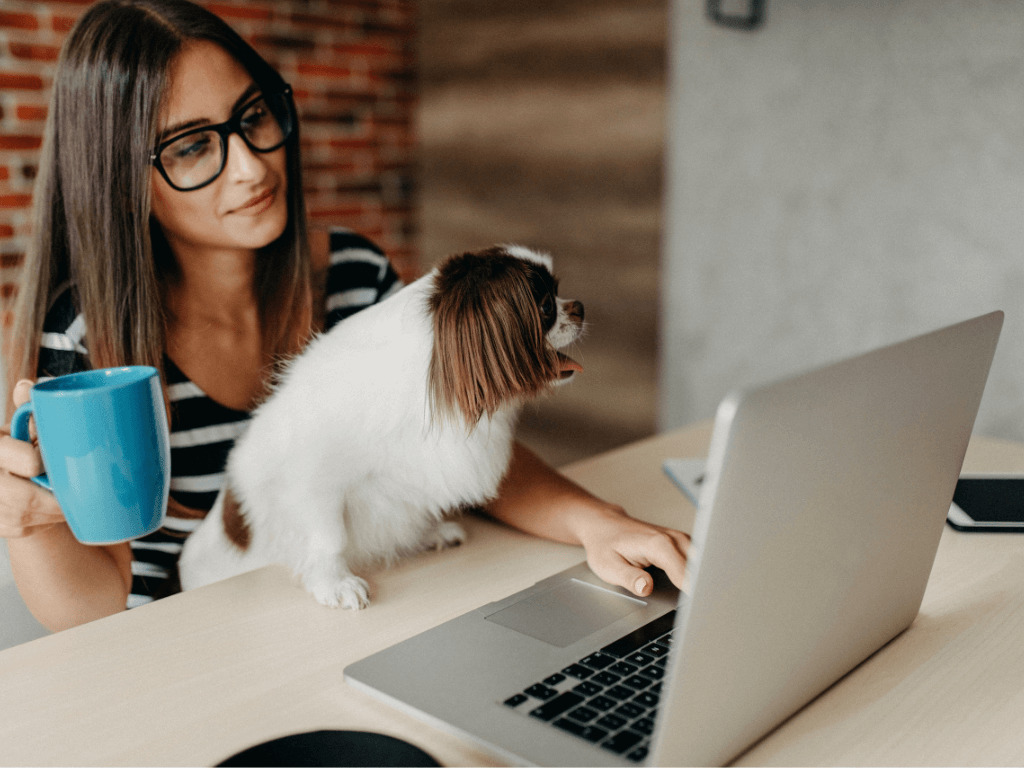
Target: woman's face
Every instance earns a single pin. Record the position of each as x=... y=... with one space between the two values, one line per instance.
x=246 y=206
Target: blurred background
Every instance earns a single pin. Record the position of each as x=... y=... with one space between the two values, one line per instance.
x=542 y=123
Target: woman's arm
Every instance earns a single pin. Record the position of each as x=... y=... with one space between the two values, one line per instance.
x=62 y=581
x=536 y=499
x=65 y=583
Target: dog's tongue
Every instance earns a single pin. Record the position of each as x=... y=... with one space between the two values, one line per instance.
x=567 y=366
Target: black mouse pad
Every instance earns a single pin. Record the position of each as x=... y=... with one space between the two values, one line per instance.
x=337 y=748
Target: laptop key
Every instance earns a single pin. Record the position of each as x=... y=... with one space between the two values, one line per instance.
x=602 y=703
x=622 y=668
x=638 y=755
x=640 y=659
x=620 y=692
x=541 y=691
x=597 y=660
x=654 y=672
x=647 y=699
x=605 y=678
x=612 y=722
x=588 y=732
x=554 y=679
x=637 y=681
x=588 y=688
x=624 y=646
x=562 y=703
x=583 y=714
x=644 y=725
x=630 y=710
x=578 y=671
x=515 y=701
x=657 y=649
x=622 y=741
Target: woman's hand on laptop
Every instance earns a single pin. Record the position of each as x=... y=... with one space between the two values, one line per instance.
x=535 y=498
x=619 y=548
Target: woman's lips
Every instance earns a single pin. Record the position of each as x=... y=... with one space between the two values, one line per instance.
x=258 y=204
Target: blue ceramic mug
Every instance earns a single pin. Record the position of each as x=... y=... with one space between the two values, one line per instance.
x=106 y=449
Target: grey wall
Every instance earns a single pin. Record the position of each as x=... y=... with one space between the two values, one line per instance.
x=848 y=175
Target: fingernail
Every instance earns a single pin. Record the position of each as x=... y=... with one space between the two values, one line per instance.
x=641 y=585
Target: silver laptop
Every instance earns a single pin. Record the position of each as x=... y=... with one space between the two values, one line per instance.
x=816 y=529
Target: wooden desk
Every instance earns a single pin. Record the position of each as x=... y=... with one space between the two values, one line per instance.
x=197 y=677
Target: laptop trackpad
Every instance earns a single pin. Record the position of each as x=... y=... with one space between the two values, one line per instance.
x=566 y=613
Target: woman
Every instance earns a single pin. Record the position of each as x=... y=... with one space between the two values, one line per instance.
x=170 y=224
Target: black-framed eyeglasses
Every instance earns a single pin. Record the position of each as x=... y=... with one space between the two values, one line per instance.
x=195 y=158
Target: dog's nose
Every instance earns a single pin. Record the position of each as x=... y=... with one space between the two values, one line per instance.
x=575 y=311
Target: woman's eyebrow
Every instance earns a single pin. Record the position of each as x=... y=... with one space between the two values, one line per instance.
x=184 y=125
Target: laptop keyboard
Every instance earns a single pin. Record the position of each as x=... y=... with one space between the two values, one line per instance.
x=609 y=697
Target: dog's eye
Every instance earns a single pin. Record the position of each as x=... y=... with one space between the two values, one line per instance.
x=547 y=307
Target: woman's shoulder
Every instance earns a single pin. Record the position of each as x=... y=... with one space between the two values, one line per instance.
x=62 y=347
x=358 y=274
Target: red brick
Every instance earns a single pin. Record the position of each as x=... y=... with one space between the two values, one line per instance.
x=15 y=201
x=8 y=290
x=9 y=141
x=63 y=23
x=378 y=48
x=239 y=11
x=319 y=21
x=5 y=173
x=351 y=142
x=6 y=230
x=31 y=112
x=34 y=52
x=9 y=260
x=18 y=20
x=323 y=70
x=265 y=42
x=339 y=214
x=18 y=81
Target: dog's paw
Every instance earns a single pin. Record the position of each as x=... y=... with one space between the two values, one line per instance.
x=446 y=534
x=350 y=592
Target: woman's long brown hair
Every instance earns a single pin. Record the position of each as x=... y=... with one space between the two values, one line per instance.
x=92 y=223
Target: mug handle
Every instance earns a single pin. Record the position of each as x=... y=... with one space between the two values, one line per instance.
x=19 y=431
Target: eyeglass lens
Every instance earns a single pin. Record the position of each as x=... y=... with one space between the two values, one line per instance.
x=197 y=158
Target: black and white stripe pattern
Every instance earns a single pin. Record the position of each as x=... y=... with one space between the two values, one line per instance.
x=202 y=430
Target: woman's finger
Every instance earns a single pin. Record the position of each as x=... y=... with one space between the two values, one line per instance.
x=22 y=391
x=23 y=504
x=19 y=457
x=620 y=572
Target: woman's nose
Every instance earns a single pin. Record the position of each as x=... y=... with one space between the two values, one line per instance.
x=243 y=163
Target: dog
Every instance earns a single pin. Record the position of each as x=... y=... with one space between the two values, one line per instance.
x=386 y=426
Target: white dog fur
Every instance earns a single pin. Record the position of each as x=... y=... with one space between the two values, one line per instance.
x=354 y=460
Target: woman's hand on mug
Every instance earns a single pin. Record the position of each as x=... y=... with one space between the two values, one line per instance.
x=25 y=508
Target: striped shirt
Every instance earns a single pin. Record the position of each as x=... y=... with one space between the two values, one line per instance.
x=202 y=430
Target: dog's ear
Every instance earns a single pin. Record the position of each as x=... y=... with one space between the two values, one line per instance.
x=489 y=347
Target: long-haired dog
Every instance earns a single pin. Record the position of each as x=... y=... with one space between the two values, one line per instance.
x=386 y=425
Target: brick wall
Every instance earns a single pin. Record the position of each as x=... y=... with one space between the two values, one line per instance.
x=350 y=62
